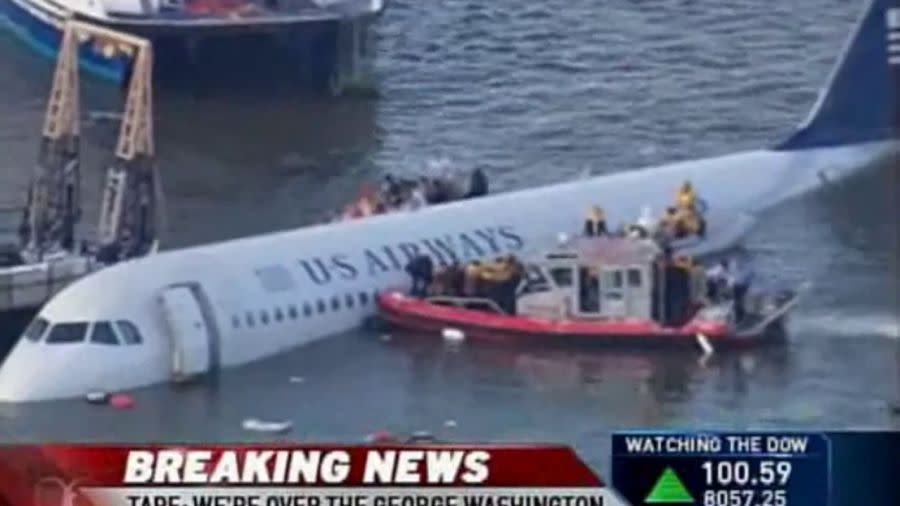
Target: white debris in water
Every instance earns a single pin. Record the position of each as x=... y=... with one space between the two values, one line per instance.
x=255 y=425
x=297 y=379
x=97 y=397
x=385 y=337
x=450 y=423
x=453 y=335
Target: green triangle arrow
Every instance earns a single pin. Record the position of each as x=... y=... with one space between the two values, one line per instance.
x=669 y=489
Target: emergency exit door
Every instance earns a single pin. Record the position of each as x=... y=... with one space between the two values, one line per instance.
x=189 y=332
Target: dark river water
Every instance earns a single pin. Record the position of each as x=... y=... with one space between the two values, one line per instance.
x=537 y=92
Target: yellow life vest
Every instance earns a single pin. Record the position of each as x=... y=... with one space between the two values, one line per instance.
x=686 y=199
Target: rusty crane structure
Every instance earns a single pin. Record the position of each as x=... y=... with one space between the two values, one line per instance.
x=131 y=202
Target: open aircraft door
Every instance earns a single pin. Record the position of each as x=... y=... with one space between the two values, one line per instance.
x=190 y=331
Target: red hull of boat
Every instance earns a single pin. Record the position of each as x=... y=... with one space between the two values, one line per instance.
x=415 y=314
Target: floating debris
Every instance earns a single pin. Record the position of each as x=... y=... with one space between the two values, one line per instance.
x=450 y=423
x=382 y=436
x=453 y=335
x=297 y=379
x=255 y=425
x=386 y=337
x=97 y=397
x=121 y=401
x=422 y=436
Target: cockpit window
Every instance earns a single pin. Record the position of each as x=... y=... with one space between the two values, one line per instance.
x=103 y=334
x=128 y=332
x=36 y=329
x=67 y=333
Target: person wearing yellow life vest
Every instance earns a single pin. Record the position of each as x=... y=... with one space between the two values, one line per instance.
x=471 y=279
x=595 y=223
x=686 y=198
x=689 y=220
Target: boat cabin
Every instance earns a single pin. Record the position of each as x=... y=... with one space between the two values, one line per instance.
x=610 y=278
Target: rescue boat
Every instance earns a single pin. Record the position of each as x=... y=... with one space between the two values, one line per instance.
x=605 y=290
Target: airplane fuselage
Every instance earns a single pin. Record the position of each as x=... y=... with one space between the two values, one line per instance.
x=261 y=295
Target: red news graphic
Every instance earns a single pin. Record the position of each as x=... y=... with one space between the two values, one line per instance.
x=244 y=475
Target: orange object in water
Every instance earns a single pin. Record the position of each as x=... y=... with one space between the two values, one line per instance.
x=121 y=401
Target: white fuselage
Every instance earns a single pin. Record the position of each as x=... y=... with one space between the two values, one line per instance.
x=319 y=281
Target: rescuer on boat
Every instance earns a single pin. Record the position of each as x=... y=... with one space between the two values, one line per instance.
x=496 y=280
x=739 y=278
x=686 y=218
x=595 y=223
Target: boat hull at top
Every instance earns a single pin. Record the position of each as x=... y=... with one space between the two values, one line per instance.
x=323 y=50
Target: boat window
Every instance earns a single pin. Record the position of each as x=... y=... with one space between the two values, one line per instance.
x=264 y=317
x=612 y=279
x=634 y=277
x=562 y=276
x=250 y=320
x=335 y=303
x=278 y=314
x=349 y=300
x=613 y=296
x=129 y=332
x=307 y=309
x=363 y=298
x=320 y=306
x=235 y=322
x=535 y=281
x=292 y=312
x=36 y=329
x=103 y=334
x=67 y=333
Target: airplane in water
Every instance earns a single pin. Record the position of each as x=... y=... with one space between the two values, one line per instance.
x=194 y=311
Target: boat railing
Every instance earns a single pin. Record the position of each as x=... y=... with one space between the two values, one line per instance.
x=466 y=303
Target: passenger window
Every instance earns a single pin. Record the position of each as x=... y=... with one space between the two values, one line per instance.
x=36 y=329
x=634 y=277
x=278 y=314
x=129 y=332
x=67 y=333
x=320 y=306
x=292 y=312
x=562 y=276
x=363 y=298
x=264 y=317
x=335 y=303
x=349 y=300
x=307 y=309
x=250 y=320
x=103 y=334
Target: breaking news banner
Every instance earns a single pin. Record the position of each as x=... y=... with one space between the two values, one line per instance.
x=193 y=475
x=649 y=468
x=757 y=468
